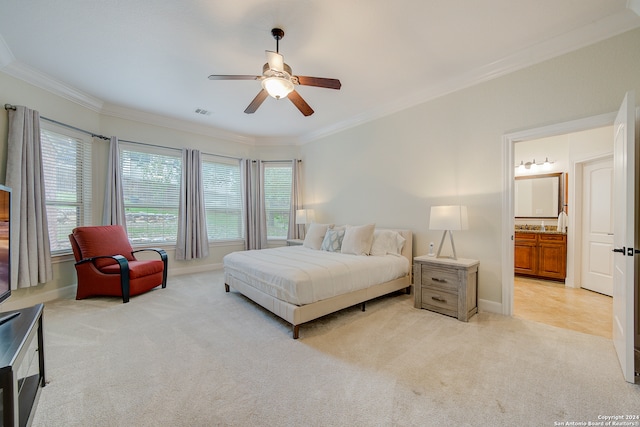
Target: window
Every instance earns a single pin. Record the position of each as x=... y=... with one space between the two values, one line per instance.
x=151 y=186
x=222 y=198
x=277 y=198
x=66 y=165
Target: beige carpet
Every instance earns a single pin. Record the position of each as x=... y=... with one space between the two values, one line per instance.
x=192 y=355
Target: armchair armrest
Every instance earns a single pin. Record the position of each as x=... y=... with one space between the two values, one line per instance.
x=124 y=271
x=163 y=257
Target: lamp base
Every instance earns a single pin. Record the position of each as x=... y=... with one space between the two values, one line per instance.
x=453 y=246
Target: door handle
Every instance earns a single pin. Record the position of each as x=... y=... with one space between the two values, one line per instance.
x=620 y=250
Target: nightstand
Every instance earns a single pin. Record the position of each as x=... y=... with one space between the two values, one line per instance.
x=295 y=242
x=446 y=286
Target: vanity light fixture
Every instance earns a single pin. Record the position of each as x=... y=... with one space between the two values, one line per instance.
x=533 y=166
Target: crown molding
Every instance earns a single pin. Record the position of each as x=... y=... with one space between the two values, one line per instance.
x=43 y=81
x=6 y=56
x=595 y=32
x=634 y=5
x=277 y=141
x=172 y=123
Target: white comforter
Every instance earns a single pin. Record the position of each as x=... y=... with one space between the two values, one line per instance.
x=301 y=275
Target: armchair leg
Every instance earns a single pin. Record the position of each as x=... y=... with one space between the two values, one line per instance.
x=163 y=256
x=124 y=277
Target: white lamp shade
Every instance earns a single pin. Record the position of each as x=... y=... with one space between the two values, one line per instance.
x=277 y=87
x=448 y=218
x=305 y=216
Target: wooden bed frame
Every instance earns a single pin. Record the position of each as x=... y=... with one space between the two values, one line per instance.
x=299 y=314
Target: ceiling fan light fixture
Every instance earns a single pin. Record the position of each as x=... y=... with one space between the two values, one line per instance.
x=277 y=87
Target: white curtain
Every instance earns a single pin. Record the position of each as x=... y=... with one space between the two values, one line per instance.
x=253 y=204
x=296 y=231
x=30 y=249
x=113 y=213
x=193 y=241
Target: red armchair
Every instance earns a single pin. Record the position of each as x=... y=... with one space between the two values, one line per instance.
x=106 y=265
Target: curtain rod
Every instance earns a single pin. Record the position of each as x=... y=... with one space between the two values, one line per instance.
x=13 y=107
x=275 y=161
x=94 y=135
x=177 y=149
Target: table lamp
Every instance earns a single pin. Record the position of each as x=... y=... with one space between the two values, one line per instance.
x=304 y=217
x=448 y=218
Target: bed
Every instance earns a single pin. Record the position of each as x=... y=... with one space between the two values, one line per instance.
x=302 y=283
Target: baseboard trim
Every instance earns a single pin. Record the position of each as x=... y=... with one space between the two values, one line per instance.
x=194 y=269
x=22 y=298
x=489 y=306
x=32 y=298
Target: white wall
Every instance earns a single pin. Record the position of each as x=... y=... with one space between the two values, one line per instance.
x=15 y=91
x=445 y=151
x=449 y=151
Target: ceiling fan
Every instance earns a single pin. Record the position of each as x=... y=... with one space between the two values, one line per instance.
x=278 y=80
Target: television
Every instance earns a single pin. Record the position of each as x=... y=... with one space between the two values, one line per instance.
x=5 y=242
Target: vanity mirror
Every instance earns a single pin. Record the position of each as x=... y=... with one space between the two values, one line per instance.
x=538 y=196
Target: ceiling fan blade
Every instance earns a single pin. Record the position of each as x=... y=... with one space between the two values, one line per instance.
x=232 y=77
x=300 y=103
x=257 y=101
x=275 y=60
x=319 y=82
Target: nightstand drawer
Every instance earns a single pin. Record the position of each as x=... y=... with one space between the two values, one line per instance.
x=440 y=278
x=442 y=302
x=447 y=286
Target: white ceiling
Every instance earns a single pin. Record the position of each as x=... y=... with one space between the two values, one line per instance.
x=149 y=60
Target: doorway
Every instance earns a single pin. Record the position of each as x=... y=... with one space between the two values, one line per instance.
x=578 y=155
x=509 y=142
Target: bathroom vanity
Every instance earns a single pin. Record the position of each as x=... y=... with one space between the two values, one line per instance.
x=541 y=254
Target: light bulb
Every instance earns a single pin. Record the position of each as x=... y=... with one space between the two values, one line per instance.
x=277 y=87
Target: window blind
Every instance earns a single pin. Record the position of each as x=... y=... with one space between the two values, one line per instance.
x=151 y=188
x=277 y=197
x=66 y=164
x=222 y=189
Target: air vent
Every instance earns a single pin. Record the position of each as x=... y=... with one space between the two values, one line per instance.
x=203 y=112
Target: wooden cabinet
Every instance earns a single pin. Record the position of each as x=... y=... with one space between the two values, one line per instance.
x=541 y=255
x=526 y=253
x=446 y=286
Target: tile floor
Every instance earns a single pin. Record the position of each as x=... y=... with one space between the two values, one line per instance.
x=554 y=304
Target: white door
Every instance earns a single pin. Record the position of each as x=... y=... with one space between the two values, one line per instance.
x=624 y=235
x=597 y=226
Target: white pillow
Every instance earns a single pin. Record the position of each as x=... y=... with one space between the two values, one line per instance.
x=358 y=239
x=387 y=242
x=315 y=235
x=333 y=240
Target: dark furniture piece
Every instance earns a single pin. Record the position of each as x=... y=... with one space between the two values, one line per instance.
x=541 y=254
x=21 y=365
x=106 y=265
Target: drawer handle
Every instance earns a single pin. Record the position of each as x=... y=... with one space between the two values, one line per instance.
x=436 y=279
x=439 y=299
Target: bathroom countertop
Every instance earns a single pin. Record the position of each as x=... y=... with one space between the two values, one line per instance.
x=522 y=230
